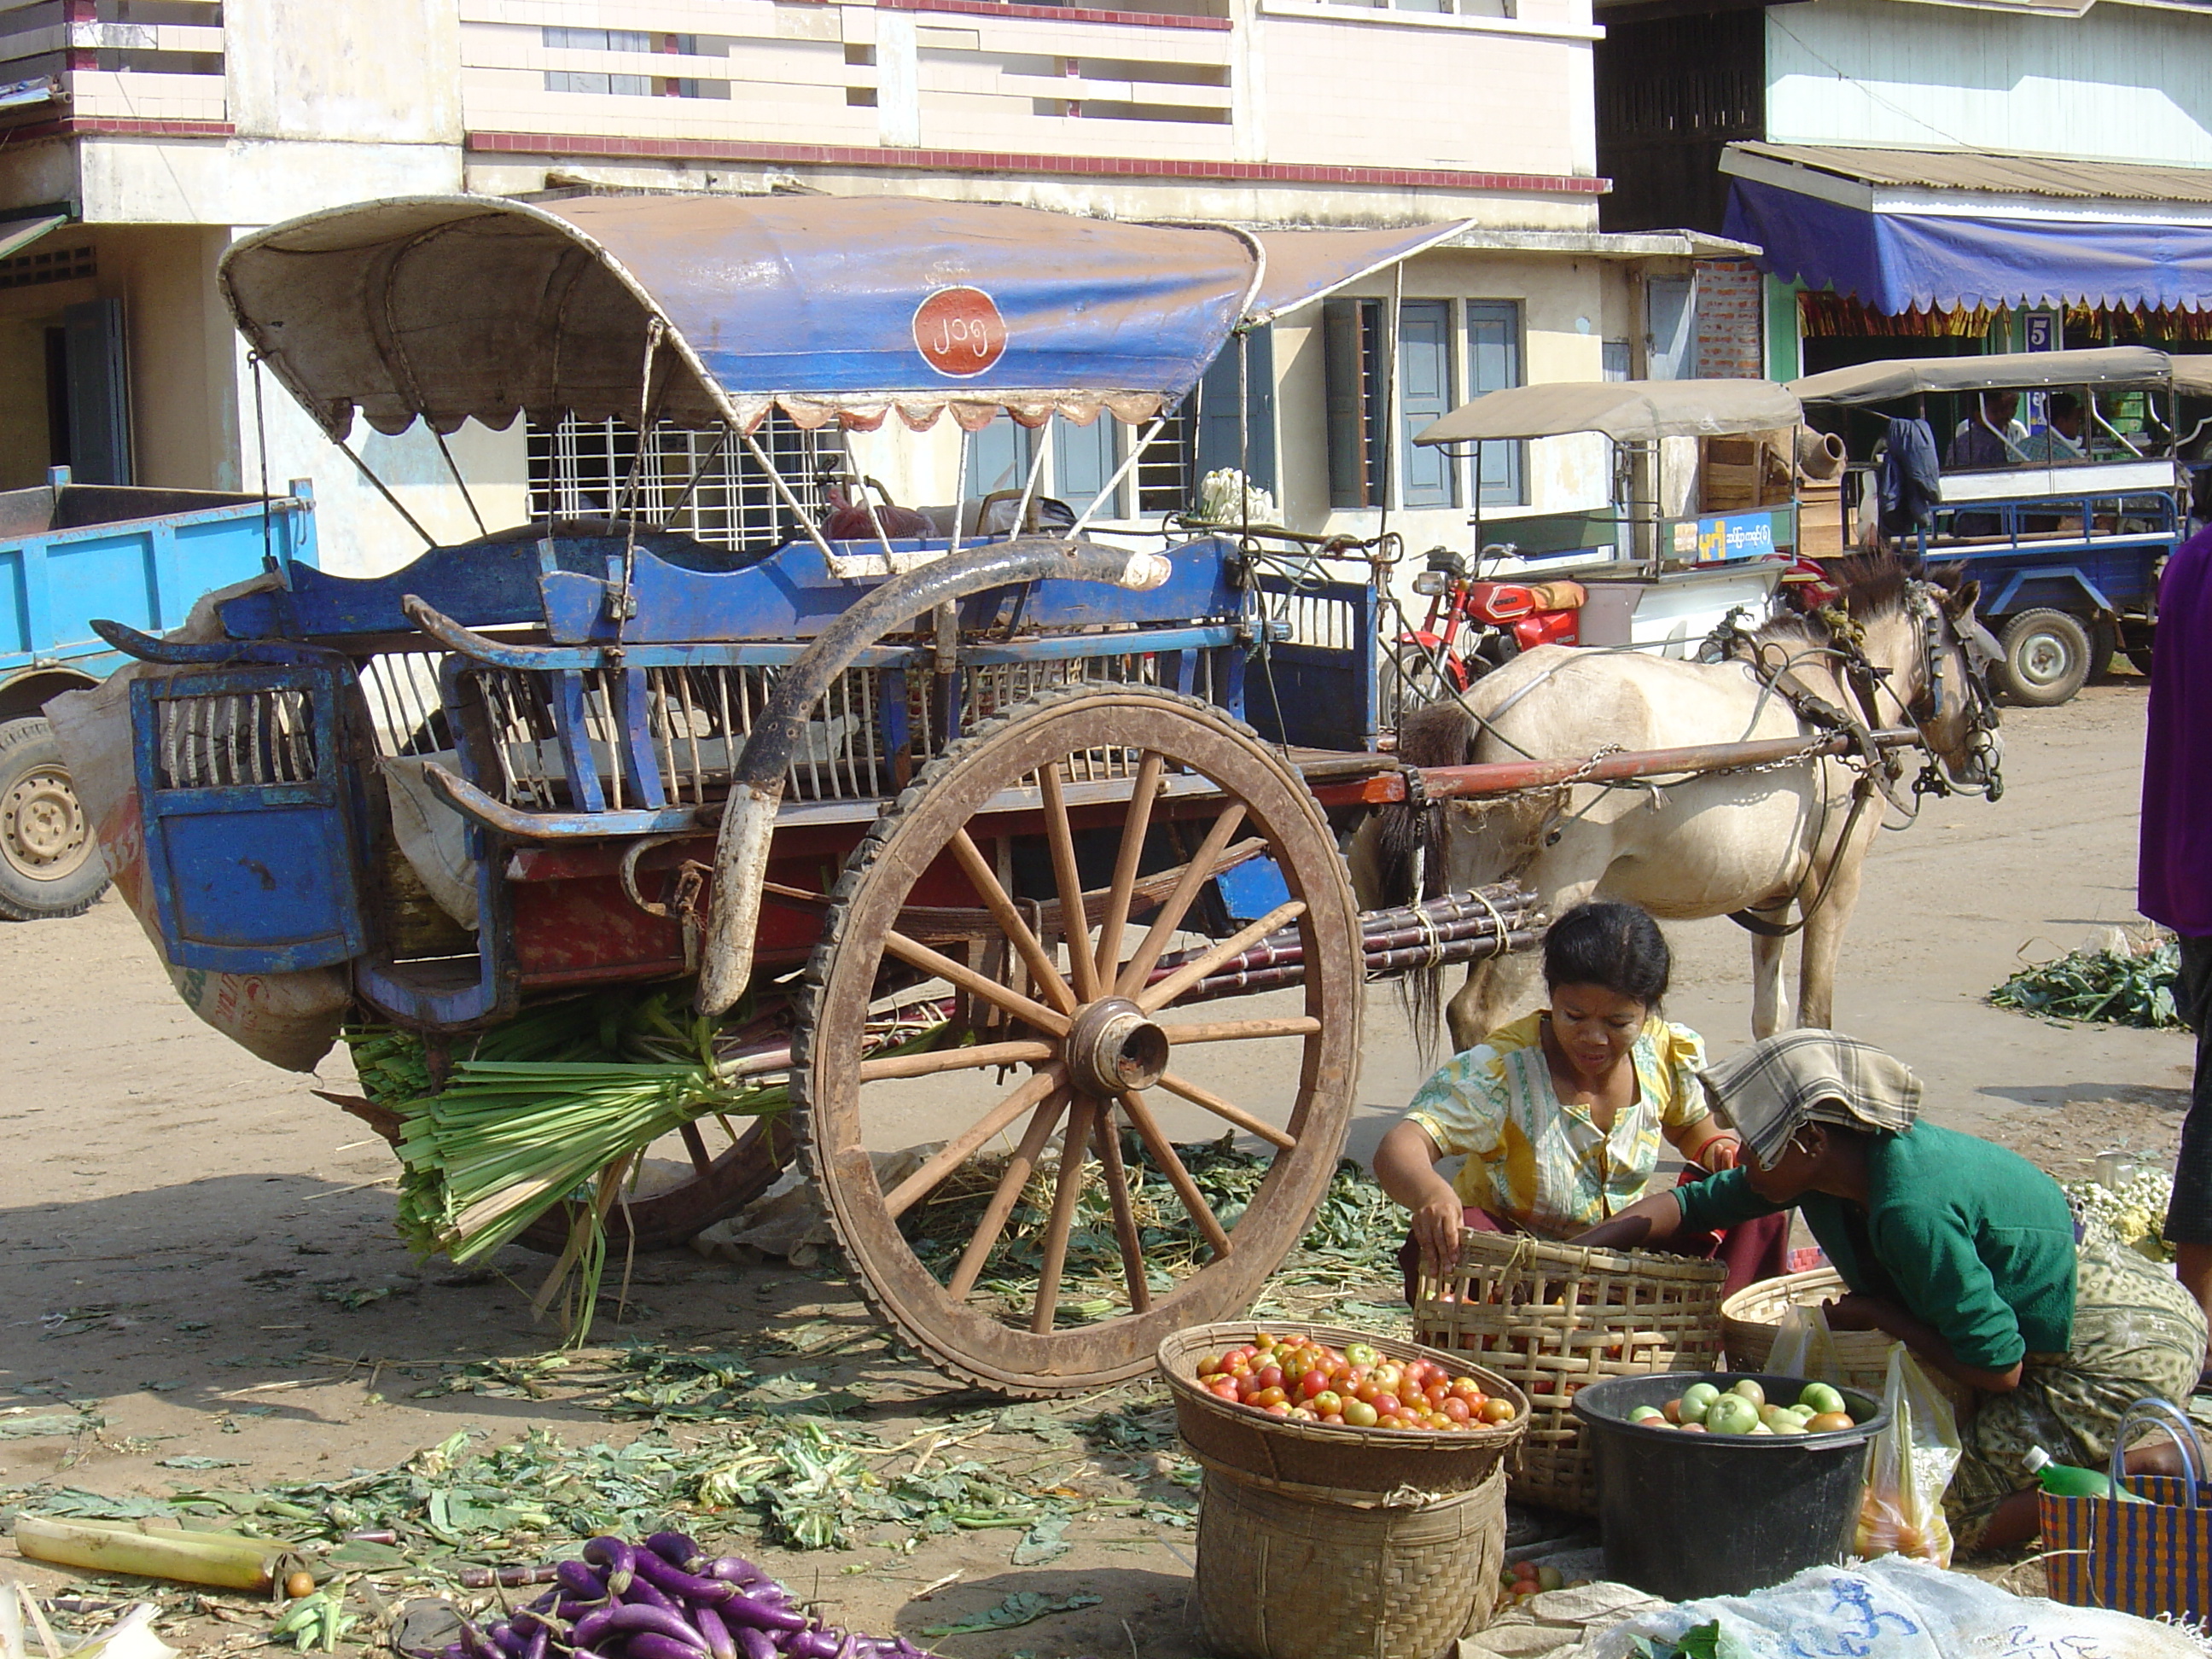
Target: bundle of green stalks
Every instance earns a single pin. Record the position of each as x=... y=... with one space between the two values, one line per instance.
x=559 y=1105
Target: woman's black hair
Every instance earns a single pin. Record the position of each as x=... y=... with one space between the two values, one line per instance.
x=1616 y=945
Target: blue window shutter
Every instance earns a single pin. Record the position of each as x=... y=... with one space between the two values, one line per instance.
x=1083 y=460
x=99 y=392
x=999 y=456
x=1493 y=355
x=1222 y=428
x=1424 y=396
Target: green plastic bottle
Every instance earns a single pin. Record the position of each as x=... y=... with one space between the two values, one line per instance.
x=2065 y=1481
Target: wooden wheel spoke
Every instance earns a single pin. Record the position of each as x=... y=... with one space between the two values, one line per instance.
x=1075 y=1153
x=1135 y=825
x=957 y=1151
x=1240 y=1030
x=1227 y=1110
x=1116 y=1180
x=696 y=1144
x=1001 y=906
x=1074 y=922
x=976 y=1056
x=1015 y=1176
x=918 y=955
x=1163 y=1154
x=1196 y=875
x=1154 y=998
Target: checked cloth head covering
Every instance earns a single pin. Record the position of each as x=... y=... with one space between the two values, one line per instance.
x=1775 y=1087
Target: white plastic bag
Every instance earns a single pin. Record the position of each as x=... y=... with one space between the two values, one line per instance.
x=1804 y=1347
x=1894 y=1608
x=1902 y=1513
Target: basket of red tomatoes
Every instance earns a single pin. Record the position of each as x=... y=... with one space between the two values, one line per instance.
x=1321 y=1407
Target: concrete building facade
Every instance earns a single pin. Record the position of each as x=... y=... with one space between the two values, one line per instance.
x=138 y=137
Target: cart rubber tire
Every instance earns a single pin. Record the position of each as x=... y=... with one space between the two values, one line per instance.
x=2140 y=655
x=996 y=1317
x=2046 y=658
x=2103 y=648
x=50 y=864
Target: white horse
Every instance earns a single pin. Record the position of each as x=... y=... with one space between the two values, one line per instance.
x=1891 y=651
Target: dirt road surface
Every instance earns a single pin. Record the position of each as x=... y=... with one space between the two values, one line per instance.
x=199 y=1254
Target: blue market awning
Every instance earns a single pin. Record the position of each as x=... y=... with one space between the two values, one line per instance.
x=835 y=309
x=1974 y=231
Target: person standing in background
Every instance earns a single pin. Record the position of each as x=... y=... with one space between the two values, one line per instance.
x=2173 y=882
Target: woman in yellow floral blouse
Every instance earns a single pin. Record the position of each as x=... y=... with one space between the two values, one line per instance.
x=1559 y=1116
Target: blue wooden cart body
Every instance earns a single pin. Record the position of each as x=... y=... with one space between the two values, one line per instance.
x=585 y=740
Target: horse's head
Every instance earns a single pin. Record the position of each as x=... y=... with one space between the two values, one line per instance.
x=1949 y=700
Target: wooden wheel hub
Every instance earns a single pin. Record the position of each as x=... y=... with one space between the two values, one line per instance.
x=1114 y=1046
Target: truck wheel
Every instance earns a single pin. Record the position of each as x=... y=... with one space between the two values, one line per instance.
x=2103 y=648
x=2137 y=642
x=2046 y=658
x=48 y=865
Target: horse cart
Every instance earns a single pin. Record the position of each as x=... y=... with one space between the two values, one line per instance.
x=964 y=842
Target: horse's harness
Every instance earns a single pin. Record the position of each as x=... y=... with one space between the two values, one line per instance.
x=1877 y=770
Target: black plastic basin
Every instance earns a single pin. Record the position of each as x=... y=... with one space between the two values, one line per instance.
x=1690 y=1515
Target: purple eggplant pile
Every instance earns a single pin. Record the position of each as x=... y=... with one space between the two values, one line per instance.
x=667 y=1600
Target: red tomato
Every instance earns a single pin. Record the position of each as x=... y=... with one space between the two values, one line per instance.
x=1268 y=1396
x=1466 y=1387
x=1455 y=1409
x=1209 y=1365
x=1367 y=1392
x=1388 y=1403
x=1269 y=1376
x=1389 y=1376
x=1222 y=1388
x=1359 y=1413
x=1328 y=1402
x=1498 y=1411
x=1313 y=1383
x=1263 y=1340
x=1435 y=1393
x=1278 y=1409
x=1331 y=1416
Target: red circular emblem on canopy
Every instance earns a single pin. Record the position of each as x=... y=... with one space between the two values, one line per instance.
x=959 y=331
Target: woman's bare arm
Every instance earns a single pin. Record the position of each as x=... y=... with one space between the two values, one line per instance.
x=1406 y=1167
x=1653 y=1220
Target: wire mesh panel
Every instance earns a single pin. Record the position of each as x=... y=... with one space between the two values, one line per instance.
x=706 y=484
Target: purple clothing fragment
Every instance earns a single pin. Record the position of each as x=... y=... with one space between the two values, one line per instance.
x=2173 y=882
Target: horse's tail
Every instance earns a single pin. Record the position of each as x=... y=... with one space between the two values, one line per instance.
x=1410 y=848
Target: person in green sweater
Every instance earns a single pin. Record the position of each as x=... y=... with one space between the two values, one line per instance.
x=1965 y=1252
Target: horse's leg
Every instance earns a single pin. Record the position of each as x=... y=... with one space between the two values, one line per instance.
x=1769 y=1012
x=1824 y=934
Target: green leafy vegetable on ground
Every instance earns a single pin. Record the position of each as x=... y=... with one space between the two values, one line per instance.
x=2129 y=980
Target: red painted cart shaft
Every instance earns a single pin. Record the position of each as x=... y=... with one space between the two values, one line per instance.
x=1501 y=777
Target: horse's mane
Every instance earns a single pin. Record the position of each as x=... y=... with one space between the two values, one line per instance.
x=1872 y=586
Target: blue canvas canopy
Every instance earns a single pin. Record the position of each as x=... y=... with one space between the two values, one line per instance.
x=847 y=310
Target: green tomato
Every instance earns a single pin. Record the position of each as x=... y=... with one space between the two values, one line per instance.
x=1702 y=1394
x=1731 y=1414
x=1785 y=1425
x=1751 y=1391
x=1647 y=1414
x=1818 y=1397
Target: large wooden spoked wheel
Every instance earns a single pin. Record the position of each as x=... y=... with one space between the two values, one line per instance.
x=1090 y=1037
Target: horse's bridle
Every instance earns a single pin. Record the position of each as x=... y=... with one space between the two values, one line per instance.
x=1980 y=649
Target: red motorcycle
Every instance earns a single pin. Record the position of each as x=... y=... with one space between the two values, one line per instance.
x=1474 y=626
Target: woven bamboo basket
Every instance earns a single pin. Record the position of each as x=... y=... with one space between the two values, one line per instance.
x=1554 y=1318
x=1752 y=1318
x=1352 y=1466
x=1281 y=1575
